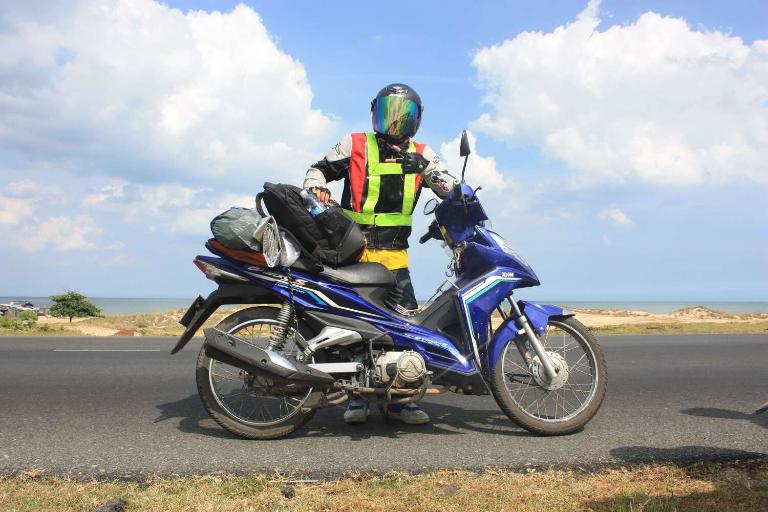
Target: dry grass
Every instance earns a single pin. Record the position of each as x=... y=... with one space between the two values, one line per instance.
x=685 y=328
x=735 y=486
x=697 y=320
x=150 y=324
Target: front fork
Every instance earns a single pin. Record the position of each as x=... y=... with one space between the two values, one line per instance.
x=525 y=326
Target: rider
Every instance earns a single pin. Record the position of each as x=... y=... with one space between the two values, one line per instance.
x=383 y=174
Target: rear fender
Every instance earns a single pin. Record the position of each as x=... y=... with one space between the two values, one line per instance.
x=202 y=309
x=538 y=316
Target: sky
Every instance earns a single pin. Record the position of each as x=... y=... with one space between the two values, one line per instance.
x=620 y=144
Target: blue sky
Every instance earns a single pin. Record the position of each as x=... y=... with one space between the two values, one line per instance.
x=620 y=144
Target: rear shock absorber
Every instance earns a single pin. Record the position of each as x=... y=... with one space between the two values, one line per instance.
x=283 y=327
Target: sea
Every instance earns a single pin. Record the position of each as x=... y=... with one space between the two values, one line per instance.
x=134 y=305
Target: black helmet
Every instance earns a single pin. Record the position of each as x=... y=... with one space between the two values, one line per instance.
x=396 y=112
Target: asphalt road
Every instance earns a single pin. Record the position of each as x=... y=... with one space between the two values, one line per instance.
x=135 y=412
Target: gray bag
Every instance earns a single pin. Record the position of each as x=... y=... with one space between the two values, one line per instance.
x=234 y=228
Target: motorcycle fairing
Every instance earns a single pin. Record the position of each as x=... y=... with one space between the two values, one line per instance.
x=478 y=300
x=538 y=315
x=312 y=293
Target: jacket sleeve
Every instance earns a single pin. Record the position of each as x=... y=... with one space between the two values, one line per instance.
x=335 y=165
x=436 y=175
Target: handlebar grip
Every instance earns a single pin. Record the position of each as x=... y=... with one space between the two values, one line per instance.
x=425 y=237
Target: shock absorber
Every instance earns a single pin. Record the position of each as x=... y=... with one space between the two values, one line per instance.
x=282 y=328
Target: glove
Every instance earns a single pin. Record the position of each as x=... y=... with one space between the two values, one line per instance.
x=414 y=163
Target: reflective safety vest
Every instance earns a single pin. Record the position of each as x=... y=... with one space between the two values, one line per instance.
x=365 y=172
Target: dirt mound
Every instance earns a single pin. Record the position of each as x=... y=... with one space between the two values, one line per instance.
x=703 y=313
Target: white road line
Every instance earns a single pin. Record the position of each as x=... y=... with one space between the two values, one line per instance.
x=104 y=350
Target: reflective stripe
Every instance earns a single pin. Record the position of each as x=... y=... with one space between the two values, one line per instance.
x=365 y=174
x=380 y=219
x=409 y=184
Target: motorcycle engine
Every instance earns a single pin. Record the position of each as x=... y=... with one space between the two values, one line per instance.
x=399 y=369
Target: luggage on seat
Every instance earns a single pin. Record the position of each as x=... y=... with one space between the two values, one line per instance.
x=331 y=237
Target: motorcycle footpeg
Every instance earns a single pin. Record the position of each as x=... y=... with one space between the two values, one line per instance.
x=239 y=353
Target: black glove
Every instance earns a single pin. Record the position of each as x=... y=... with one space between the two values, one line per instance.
x=414 y=163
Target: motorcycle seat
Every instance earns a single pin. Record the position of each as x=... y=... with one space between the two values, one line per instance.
x=361 y=274
x=358 y=274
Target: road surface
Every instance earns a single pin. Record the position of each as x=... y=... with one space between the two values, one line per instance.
x=124 y=407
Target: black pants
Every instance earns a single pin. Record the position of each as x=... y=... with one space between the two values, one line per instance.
x=402 y=297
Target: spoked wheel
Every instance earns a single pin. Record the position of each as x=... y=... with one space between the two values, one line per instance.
x=556 y=406
x=252 y=406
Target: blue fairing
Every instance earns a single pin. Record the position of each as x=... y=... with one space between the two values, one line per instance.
x=488 y=271
x=538 y=315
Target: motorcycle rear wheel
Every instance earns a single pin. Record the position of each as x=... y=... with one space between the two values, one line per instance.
x=534 y=407
x=223 y=406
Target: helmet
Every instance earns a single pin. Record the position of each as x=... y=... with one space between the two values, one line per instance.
x=396 y=112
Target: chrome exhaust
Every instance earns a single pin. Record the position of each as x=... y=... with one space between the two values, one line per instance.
x=239 y=353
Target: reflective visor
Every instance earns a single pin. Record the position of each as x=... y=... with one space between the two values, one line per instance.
x=396 y=116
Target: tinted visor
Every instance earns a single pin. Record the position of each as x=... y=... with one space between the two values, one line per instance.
x=396 y=116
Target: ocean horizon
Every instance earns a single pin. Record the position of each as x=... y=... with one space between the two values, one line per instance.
x=135 y=305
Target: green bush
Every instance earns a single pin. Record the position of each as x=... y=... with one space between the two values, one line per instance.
x=73 y=305
x=25 y=320
x=29 y=316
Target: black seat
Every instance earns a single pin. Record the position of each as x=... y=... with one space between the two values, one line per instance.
x=360 y=274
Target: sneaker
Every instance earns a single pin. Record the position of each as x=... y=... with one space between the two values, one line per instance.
x=409 y=413
x=357 y=411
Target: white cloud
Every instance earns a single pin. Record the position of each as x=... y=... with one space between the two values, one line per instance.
x=481 y=170
x=618 y=217
x=59 y=233
x=111 y=191
x=14 y=210
x=652 y=101
x=134 y=87
x=607 y=242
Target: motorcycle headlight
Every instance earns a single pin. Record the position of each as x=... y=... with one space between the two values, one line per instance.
x=507 y=248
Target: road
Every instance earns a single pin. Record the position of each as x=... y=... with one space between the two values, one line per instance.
x=78 y=407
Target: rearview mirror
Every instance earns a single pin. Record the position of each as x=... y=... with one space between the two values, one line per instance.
x=464 y=145
x=431 y=206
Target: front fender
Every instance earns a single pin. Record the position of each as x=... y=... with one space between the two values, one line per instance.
x=538 y=315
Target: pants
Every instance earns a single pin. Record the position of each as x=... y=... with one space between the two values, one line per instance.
x=402 y=297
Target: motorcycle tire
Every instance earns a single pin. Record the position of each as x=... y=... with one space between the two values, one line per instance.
x=549 y=426
x=232 y=324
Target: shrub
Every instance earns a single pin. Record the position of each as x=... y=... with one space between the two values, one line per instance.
x=27 y=316
x=73 y=304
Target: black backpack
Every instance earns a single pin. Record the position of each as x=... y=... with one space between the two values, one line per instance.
x=331 y=237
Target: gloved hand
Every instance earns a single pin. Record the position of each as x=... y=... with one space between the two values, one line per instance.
x=414 y=163
x=322 y=193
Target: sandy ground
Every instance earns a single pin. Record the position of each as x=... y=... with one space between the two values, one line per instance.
x=166 y=323
x=78 y=323
x=698 y=314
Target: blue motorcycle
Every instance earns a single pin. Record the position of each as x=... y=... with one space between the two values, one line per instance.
x=318 y=337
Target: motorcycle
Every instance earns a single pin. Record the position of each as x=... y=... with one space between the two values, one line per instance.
x=319 y=336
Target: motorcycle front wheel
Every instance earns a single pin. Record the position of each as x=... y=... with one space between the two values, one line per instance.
x=252 y=406
x=559 y=406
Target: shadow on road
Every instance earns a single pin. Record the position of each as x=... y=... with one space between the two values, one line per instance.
x=193 y=419
x=446 y=420
x=727 y=414
x=730 y=488
x=682 y=455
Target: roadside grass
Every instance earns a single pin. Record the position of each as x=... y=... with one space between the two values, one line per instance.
x=759 y=327
x=167 y=324
x=153 y=324
x=704 y=487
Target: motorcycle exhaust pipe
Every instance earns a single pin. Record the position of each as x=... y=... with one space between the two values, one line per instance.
x=237 y=352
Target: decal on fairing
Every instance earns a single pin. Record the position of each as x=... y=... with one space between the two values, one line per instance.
x=476 y=292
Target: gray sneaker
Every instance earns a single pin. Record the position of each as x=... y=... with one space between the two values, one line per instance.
x=409 y=413
x=357 y=411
